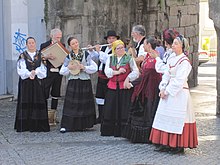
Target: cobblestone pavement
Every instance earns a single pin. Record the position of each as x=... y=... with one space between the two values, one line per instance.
x=88 y=148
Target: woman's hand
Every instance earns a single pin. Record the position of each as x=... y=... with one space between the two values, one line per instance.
x=81 y=67
x=122 y=70
x=162 y=94
x=154 y=54
x=32 y=75
x=127 y=84
x=72 y=67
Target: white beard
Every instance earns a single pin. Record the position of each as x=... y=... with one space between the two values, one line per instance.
x=135 y=40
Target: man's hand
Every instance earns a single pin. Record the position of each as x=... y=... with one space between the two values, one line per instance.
x=90 y=48
x=97 y=48
x=50 y=56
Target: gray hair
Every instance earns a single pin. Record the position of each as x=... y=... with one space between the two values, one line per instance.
x=55 y=31
x=139 y=29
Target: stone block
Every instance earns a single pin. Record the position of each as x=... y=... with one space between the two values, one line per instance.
x=152 y=17
x=172 y=3
x=150 y=28
x=181 y=30
x=190 y=31
x=192 y=9
x=174 y=10
x=190 y=2
x=173 y=21
x=187 y=20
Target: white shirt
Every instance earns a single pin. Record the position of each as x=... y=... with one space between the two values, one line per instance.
x=141 y=51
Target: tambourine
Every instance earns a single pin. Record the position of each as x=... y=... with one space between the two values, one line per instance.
x=75 y=63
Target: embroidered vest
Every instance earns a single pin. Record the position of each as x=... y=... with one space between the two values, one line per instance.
x=82 y=57
x=31 y=64
x=119 y=79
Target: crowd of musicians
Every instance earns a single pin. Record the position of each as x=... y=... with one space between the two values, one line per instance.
x=142 y=92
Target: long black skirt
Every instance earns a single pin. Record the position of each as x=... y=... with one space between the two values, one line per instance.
x=79 y=106
x=116 y=110
x=102 y=88
x=140 y=120
x=31 y=111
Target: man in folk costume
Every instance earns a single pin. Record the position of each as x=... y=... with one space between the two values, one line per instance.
x=138 y=35
x=52 y=82
x=103 y=55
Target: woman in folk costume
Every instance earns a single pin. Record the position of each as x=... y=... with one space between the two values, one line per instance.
x=145 y=97
x=174 y=126
x=31 y=112
x=79 y=106
x=168 y=36
x=120 y=69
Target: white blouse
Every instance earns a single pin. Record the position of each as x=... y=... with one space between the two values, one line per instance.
x=90 y=68
x=134 y=69
x=24 y=73
x=161 y=64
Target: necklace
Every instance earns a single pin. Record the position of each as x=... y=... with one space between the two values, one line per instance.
x=78 y=56
x=118 y=62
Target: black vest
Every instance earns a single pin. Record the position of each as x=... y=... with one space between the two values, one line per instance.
x=99 y=62
x=137 y=48
x=31 y=65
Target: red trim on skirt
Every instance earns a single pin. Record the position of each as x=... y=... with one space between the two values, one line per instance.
x=188 y=139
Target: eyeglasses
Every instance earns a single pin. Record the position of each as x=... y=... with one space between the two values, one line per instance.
x=120 y=48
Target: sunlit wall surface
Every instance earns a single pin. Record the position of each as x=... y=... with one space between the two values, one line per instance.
x=207 y=34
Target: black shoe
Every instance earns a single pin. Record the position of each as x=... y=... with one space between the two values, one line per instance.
x=177 y=150
x=162 y=148
x=157 y=147
x=62 y=130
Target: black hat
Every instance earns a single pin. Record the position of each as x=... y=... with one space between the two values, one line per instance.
x=111 y=33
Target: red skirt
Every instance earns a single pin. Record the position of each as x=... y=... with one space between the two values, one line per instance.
x=188 y=139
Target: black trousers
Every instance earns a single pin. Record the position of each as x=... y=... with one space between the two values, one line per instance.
x=52 y=84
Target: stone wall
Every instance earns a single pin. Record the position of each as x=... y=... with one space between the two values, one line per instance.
x=183 y=15
x=89 y=20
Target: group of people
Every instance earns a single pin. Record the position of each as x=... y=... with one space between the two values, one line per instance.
x=142 y=94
